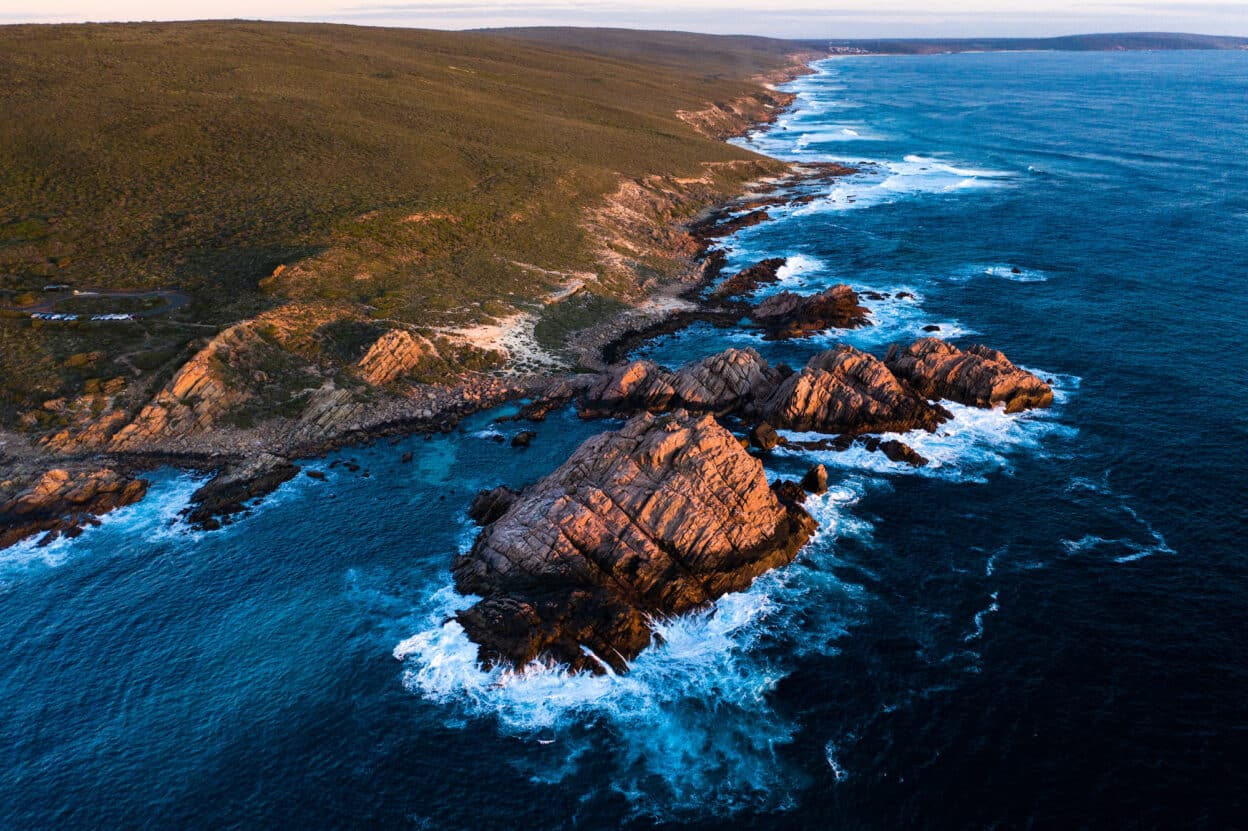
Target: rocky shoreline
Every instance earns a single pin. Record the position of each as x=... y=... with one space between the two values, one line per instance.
x=656 y=518
x=197 y=420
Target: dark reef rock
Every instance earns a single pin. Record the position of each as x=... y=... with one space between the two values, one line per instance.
x=523 y=439
x=764 y=437
x=61 y=502
x=847 y=391
x=898 y=451
x=488 y=505
x=816 y=480
x=789 y=315
x=748 y=279
x=228 y=492
x=979 y=376
x=723 y=223
x=655 y=519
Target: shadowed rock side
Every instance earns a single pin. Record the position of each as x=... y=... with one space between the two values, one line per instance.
x=979 y=376
x=62 y=502
x=658 y=518
x=747 y=280
x=720 y=383
x=848 y=391
x=789 y=315
x=234 y=486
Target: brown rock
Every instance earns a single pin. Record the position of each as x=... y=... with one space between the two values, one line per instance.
x=789 y=315
x=60 y=502
x=764 y=437
x=658 y=518
x=636 y=387
x=845 y=390
x=789 y=492
x=979 y=376
x=749 y=279
x=523 y=439
x=719 y=383
x=816 y=479
x=488 y=505
x=898 y=451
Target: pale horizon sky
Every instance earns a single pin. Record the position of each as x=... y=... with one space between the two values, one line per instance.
x=831 y=19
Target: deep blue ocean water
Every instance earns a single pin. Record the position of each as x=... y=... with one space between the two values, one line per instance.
x=1047 y=627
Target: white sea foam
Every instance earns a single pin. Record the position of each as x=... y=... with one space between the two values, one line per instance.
x=991 y=609
x=796 y=271
x=1002 y=271
x=154 y=518
x=975 y=443
x=690 y=724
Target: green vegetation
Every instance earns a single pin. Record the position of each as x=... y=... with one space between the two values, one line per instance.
x=402 y=172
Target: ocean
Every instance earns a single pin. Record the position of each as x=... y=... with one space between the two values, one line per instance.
x=1046 y=627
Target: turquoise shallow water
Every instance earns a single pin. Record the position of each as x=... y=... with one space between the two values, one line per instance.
x=1046 y=627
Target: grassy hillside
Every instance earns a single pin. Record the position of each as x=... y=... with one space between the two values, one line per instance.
x=406 y=171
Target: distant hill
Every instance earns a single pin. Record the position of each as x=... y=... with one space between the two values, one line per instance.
x=1133 y=41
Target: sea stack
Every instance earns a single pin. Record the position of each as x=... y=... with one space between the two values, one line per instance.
x=658 y=518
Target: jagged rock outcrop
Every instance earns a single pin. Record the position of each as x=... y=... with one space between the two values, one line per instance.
x=393 y=355
x=658 y=518
x=748 y=279
x=719 y=383
x=635 y=387
x=488 y=505
x=978 y=376
x=789 y=315
x=848 y=391
x=62 y=502
x=199 y=394
x=234 y=486
x=91 y=419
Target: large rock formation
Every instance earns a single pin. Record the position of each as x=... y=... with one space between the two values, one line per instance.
x=718 y=384
x=62 y=502
x=658 y=518
x=789 y=315
x=979 y=376
x=847 y=391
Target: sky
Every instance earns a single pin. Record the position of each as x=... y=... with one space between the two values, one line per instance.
x=831 y=19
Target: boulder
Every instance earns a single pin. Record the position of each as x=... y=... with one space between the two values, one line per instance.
x=394 y=354
x=764 y=437
x=816 y=480
x=978 y=376
x=523 y=439
x=899 y=451
x=847 y=391
x=658 y=518
x=724 y=382
x=789 y=315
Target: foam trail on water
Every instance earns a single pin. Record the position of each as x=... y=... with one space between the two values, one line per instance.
x=974 y=444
